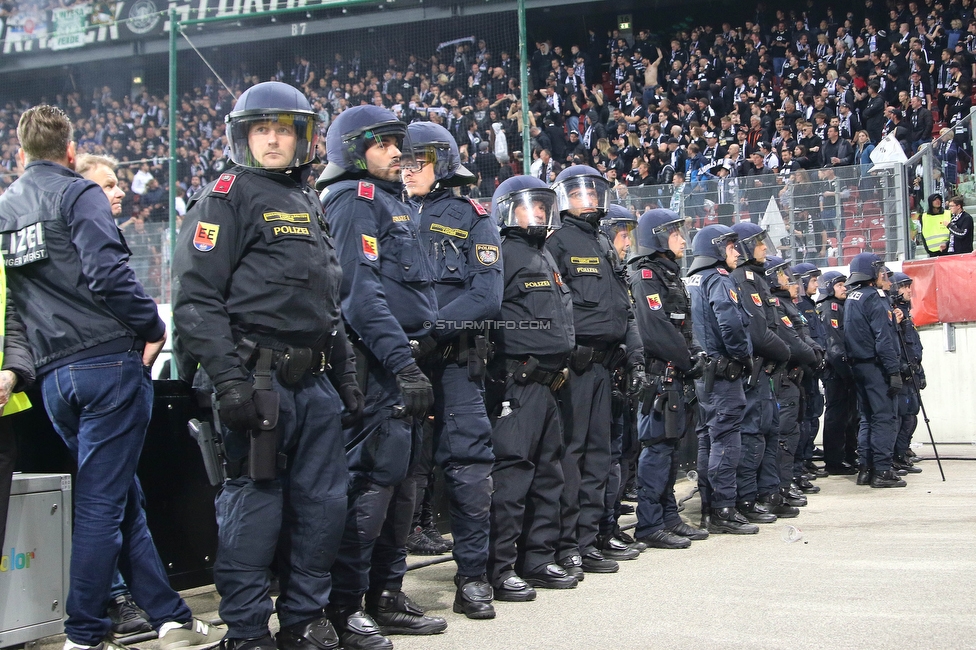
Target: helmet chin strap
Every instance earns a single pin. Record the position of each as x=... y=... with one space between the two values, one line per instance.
x=592 y=218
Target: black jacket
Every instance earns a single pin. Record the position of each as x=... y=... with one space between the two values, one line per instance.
x=67 y=269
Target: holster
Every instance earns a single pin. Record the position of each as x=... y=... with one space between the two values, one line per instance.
x=673 y=413
x=728 y=369
x=795 y=375
x=263 y=458
x=477 y=357
x=523 y=374
x=711 y=369
x=581 y=359
x=757 y=368
x=616 y=357
x=293 y=365
x=211 y=449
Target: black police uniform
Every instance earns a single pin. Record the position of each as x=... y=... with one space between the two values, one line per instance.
x=254 y=262
x=387 y=301
x=840 y=394
x=603 y=320
x=908 y=397
x=786 y=382
x=758 y=472
x=813 y=399
x=529 y=365
x=662 y=309
x=720 y=327
x=464 y=249
x=872 y=348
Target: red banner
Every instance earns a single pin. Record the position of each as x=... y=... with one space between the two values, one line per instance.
x=942 y=289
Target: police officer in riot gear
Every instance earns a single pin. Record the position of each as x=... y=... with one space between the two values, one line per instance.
x=757 y=477
x=620 y=226
x=787 y=380
x=463 y=245
x=720 y=326
x=256 y=305
x=528 y=368
x=872 y=349
x=603 y=318
x=911 y=364
x=840 y=394
x=807 y=275
x=672 y=361
x=389 y=304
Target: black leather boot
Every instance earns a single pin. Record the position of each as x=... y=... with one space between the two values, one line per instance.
x=473 y=597
x=864 y=475
x=357 y=630
x=887 y=479
x=805 y=485
x=395 y=613
x=317 y=633
x=775 y=505
x=728 y=520
x=755 y=512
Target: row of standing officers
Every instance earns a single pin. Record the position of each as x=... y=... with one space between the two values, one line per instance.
x=329 y=326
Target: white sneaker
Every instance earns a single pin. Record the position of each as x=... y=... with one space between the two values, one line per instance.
x=107 y=644
x=192 y=635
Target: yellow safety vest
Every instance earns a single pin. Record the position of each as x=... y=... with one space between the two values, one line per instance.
x=934 y=229
x=18 y=401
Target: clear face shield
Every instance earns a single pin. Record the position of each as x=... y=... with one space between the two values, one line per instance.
x=301 y=124
x=384 y=135
x=580 y=195
x=663 y=234
x=756 y=247
x=804 y=282
x=622 y=234
x=414 y=157
x=533 y=210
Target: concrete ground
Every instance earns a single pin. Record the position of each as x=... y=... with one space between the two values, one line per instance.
x=872 y=568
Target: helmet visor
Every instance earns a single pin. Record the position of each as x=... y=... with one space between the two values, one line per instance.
x=663 y=234
x=583 y=194
x=533 y=210
x=413 y=158
x=773 y=273
x=273 y=139
x=757 y=247
x=623 y=236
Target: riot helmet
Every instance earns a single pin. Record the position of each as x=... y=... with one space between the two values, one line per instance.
x=805 y=271
x=619 y=225
x=774 y=265
x=283 y=107
x=828 y=281
x=351 y=134
x=582 y=190
x=709 y=245
x=432 y=144
x=751 y=238
x=865 y=267
x=654 y=231
x=527 y=203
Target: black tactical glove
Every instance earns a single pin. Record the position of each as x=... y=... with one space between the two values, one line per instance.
x=698 y=363
x=421 y=347
x=236 y=405
x=747 y=366
x=352 y=398
x=894 y=384
x=416 y=389
x=921 y=381
x=637 y=380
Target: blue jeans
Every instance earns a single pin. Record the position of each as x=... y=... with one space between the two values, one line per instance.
x=101 y=408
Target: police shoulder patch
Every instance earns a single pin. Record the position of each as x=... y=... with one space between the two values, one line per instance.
x=365 y=190
x=882 y=293
x=750 y=275
x=834 y=306
x=755 y=298
x=205 y=237
x=722 y=271
x=224 y=183
x=786 y=321
x=833 y=323
x=371 y=250
x=487 y=254
x=647 y=274
x=734 y=296
x=654 y=301
x=480 y=209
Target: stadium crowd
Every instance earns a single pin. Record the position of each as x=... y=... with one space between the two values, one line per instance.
x=782 y=97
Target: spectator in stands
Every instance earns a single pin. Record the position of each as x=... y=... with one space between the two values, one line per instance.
x=960 y=229
x=836 y=151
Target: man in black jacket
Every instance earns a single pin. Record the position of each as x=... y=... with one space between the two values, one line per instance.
x=94 y=334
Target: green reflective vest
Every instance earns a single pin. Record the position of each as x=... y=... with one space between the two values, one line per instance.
x=934 y=230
